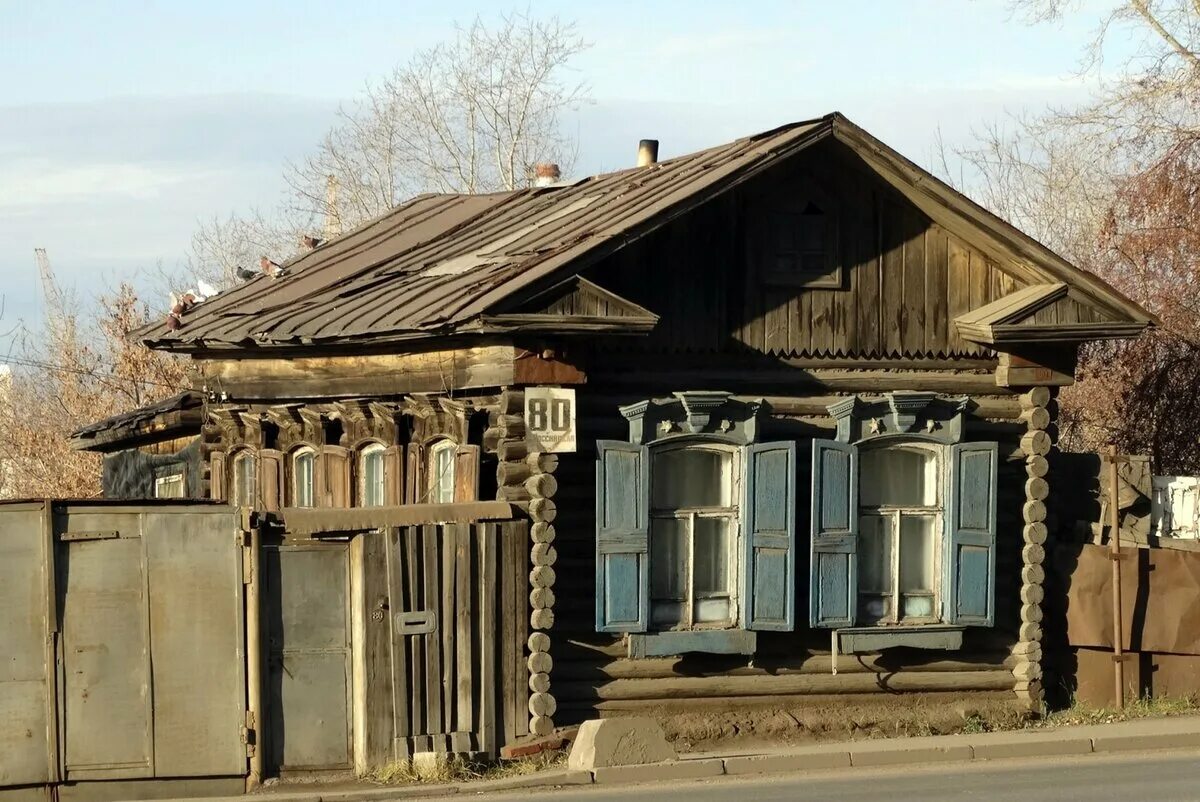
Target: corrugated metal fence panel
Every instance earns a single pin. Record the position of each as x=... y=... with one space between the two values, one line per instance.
x=448 y=638
x=25 y=755
x=194 y=565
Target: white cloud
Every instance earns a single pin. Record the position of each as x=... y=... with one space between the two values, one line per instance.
x=41 y=182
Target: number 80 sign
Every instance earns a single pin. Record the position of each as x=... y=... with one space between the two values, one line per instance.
x=550 y=419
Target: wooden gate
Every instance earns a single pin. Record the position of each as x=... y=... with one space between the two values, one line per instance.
x=459 y=625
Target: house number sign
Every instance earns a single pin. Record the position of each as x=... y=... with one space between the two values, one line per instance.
x=550 y=419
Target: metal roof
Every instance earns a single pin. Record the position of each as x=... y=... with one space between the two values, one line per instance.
x=437 y=261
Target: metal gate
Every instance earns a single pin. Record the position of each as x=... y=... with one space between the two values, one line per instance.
x=307 y=600
x=124 y=643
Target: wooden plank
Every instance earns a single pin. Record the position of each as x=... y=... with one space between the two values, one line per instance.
x=937 y=297
x=401 y=722
x=432 y=595
x=378 y=650
x=512 y=650
x=868 y=264
x=416 y=643
x=958 y=281
x=913 y=333
x=464 y=719
x=310 y=520
x=488 y=676
x=822 y=320
x=775 y=321
x=360 y=375
x=447 y=543
x=517 y=531
x=892 y=278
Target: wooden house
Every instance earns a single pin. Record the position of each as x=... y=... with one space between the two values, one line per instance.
x=813 y=398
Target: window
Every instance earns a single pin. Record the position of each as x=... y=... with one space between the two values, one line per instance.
x=793 y=239
x=441 y=472
x=693 y=535
x=371 y=476
x=900 y=517
x=170 y=485
x=903 y=532
x=245 y=479
x=303 y=477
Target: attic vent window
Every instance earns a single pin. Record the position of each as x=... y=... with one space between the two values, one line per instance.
x=794 y=242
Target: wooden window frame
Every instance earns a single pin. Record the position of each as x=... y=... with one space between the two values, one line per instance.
x=770 y=211
x=433 y=478
x=293 y=484
x=369 y=449
x=731 y=513
x=238 y=483
x=896 y=513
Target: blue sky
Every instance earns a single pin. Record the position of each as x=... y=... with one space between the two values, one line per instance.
x=122 y=124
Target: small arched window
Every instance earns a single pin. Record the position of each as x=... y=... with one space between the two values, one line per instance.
x=303 y=476
x=245 y=478
x=441 y=472
x=371 y=481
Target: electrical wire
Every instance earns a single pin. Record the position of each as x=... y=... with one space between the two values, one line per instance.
x=33 y=363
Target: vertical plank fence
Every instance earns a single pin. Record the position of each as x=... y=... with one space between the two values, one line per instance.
x=460 y=617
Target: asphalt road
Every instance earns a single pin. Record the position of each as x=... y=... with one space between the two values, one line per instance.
x=1142 y=777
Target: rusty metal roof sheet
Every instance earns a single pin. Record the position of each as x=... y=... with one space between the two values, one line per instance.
x=438 y=261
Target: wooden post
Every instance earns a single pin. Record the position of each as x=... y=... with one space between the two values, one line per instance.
x=1114 y=540
x=254 y=657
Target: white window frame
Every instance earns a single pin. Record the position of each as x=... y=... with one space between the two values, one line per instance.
x=372 y=451
x=441 y=484
x=178 y=476
x=297 y=454
x=731 y=513
x=245 y=479
x=896 y=513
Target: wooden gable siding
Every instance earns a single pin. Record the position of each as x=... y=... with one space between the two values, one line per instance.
x=904 y=278
x=1068 y=310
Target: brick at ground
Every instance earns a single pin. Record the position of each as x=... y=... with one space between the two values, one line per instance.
x=628 y=741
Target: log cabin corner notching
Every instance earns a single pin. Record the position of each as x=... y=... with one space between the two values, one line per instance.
x=814 y=395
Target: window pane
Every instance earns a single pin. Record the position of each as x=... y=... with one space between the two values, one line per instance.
x=875 y=554
x=873 y=608
x=918 y=607
x=692 y=477
x=302 y=471
x=900 y=477
x=244 y=480
x=664 y=614
x=712 y=556
x=917 y=553
x=169 y=486
x=372 y=473
x=711 y=611
x=441 y=484
x=668 y=558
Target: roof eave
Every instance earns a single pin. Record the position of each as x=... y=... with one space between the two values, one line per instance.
x=1002 y=335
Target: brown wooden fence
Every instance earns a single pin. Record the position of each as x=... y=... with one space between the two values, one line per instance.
x=458 y=597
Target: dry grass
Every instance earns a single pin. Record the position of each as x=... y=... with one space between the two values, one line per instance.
x=1157 y=707
x=457 y=769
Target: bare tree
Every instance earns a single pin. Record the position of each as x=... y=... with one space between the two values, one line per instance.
x=471 y=115
x=1114 y=185
x=78 y=368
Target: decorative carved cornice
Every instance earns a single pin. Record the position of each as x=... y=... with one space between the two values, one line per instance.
x=900 y=412
x=691 y=413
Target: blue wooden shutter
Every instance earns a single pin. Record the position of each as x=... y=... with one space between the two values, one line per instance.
x=622 y=537
x=833 y=583
x=971 y=535
x=769 y=541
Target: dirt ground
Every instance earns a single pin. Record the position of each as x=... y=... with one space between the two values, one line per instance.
x=698 y=729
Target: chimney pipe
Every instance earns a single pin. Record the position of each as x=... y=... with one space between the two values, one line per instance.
x=647 y=152
x=545 y=174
